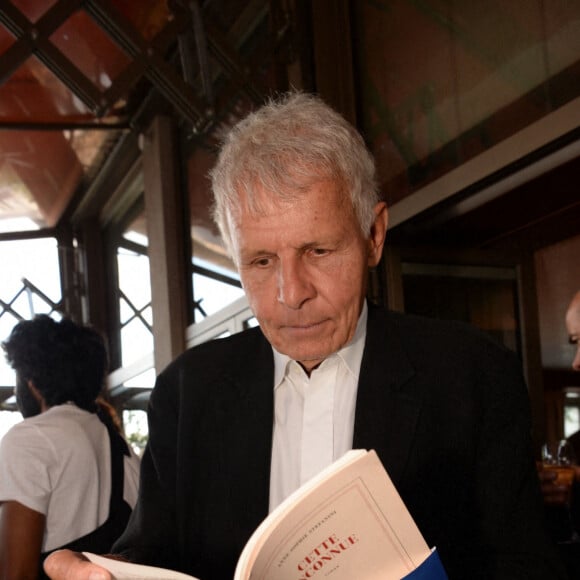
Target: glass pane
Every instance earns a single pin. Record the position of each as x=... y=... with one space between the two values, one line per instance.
x=571 y=420
x=134 y=292
x=90 y=49
x=215 y=278
x=30 y=281
x=212 y=295
x=134 y=305
x=136 y=429
x=136 y=340
x=33 y=10
x=7 y=323
x=134 y=277
x=7 y=420
x=29 y=285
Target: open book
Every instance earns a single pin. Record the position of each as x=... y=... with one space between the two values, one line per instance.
x=347 y=522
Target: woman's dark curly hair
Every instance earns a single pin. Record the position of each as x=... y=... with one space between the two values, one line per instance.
x=64 y=361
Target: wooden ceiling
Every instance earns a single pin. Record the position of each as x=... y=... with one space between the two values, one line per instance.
x=75 y=76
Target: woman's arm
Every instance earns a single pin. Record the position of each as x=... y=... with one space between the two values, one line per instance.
x=21 y=533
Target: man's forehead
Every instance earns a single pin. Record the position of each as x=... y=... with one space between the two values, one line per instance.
x=260 y=200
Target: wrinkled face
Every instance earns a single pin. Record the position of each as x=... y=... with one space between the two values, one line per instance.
x=573 y=328
x=303 y=265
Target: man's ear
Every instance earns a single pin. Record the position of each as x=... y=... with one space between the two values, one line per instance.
x=36 y=394
x=377 y=234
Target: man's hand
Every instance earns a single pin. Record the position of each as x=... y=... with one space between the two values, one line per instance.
x=554 y=494
x=67 y=565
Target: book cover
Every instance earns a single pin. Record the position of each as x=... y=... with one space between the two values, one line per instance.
x=347 y=522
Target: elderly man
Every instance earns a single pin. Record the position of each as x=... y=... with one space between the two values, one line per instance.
x=237 y=424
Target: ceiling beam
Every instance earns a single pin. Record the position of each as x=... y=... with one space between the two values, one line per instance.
x=34 y=39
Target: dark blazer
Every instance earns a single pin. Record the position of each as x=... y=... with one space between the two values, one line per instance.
x=445 y=408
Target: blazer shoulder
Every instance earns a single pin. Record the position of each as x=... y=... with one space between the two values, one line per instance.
x=227 y=352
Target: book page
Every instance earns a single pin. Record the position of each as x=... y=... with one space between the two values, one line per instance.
x=349 y=524
x=129 y=571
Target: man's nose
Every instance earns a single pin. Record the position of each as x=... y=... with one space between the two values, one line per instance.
x=294 y=284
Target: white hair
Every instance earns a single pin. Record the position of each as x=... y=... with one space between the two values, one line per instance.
x=283 y=148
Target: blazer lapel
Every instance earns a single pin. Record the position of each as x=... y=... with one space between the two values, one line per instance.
x=247 y=421
x=385 y=418
x=386 y=413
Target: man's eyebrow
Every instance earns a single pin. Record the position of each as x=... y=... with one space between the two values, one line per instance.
x=250 y=254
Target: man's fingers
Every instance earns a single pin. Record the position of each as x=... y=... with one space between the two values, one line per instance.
x=68 y=565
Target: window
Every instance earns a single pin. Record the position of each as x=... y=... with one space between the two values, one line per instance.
x=134 y=294
x=213 y=288
x=29 y=285
x=571 y=410
x=134 y=334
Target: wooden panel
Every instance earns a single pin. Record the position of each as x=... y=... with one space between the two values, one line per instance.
x=333 y=55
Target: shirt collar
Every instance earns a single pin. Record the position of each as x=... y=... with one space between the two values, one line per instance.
x=351 y=354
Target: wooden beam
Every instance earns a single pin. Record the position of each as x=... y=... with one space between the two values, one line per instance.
x=332 y=49
x=164 y=214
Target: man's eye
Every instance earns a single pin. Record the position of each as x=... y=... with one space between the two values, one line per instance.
x=262 y=262
x=319 y=251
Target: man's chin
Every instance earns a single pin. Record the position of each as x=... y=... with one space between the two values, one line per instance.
x=308 y=360
x=308 y=351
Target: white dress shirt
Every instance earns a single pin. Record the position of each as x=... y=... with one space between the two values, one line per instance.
x=313 y=416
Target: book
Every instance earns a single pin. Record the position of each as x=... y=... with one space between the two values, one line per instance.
x=121 y=570
x=347 y=522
